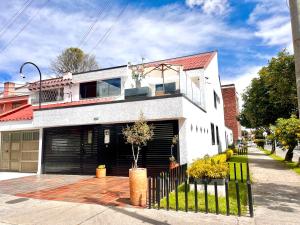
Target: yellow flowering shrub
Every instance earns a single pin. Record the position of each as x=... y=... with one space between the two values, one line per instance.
x=209 y=167
x=229 y=154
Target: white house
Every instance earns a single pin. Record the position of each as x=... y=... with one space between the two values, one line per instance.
x=83 y=114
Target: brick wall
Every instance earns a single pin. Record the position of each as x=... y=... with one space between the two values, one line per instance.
x=231 y=110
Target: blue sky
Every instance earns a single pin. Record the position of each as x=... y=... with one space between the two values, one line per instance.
x=246 y=33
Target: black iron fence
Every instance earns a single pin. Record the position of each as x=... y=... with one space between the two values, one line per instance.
x=242 y=150
x=175 y=184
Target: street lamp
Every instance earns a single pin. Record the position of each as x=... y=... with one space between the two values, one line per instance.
x=23 y=76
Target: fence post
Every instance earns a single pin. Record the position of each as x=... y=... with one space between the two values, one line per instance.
x=196 y=196
x=241 y=170
x=205 y=196
x=176 y=194
x=234 y=165
x=153 y=190
x=250 y=199
x=238 y=201
x=149 y=191
x=227 y=198
x=186 y=194
x=158 y=192
x=167 y=193
x=216 y=197
x=229 y=171
x=248 y=171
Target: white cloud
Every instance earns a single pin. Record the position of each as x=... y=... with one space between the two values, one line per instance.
x=272 y=23
x=153 y=33
x=218 y=7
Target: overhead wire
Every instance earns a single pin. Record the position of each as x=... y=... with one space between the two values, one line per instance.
x=24 y=27
x=109 y=30
x=91 y=28
x=15 y=17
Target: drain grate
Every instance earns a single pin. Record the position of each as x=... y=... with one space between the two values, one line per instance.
x=18 y=200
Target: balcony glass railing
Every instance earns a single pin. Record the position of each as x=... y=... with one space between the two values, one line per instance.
x=168 y=80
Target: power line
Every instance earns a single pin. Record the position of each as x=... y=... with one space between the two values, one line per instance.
x=109 y=30
x=100 y=12
x=24 y=27
x=15 y=17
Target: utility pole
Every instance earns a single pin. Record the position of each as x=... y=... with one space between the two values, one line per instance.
x=295 y=21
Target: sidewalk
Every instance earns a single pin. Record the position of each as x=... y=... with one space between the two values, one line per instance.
x=27 y=211
x=276 y=190
x=276 y=197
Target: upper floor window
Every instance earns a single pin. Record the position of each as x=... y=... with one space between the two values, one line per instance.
x=111 y=87
x=217 y=133
x=216 y=100
x=103 y=88
x=88 y=90
x=213 y=138
x=167 y=88
x=51 y=95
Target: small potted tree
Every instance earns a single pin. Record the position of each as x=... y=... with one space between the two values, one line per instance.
x=173 y=162
x=138 y=135
x=137 y=74
x=101 y=171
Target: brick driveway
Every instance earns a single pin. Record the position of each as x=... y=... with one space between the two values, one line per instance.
x=109 y=191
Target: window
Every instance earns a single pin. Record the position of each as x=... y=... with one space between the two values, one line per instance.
x=216 y=100
x=169 y=88
x=217 y=132
x=103 y=88
x=88 y=90
x=51 y=95
x=111 y=87
x=213 y=139
x=30 y=135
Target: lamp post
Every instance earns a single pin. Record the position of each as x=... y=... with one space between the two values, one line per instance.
x=40 y=91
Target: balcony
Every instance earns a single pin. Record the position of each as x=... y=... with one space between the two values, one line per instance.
x=166 y=80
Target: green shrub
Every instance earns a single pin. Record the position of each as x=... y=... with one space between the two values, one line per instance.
x=209 y=167
x=229 y=154
x=260 y=142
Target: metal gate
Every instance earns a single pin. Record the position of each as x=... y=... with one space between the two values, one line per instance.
x=19 y=151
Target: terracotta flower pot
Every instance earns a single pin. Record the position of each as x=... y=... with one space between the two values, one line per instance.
x=173 y=165
x=138 y=186
x=101 y=172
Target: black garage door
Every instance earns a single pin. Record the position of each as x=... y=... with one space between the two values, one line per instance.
x=78 y=150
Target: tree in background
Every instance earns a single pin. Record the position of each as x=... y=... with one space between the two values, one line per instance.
x=287 y=131
x=73 y=60
x=272 y=95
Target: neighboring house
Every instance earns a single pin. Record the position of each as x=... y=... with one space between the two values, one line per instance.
x=231 y=110
x=83 y=114
x=19 y=141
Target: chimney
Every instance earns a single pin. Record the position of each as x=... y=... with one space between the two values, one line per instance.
x=9 y=89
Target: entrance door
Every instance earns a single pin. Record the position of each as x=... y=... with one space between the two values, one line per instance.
x=88 y=149
x=11 y=144
x=5 y=153
x=107 y=148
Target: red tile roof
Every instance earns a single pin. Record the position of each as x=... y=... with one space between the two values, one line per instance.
x=13 y=98
x=197 y=61
x=50 y=83
x=21 y=113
